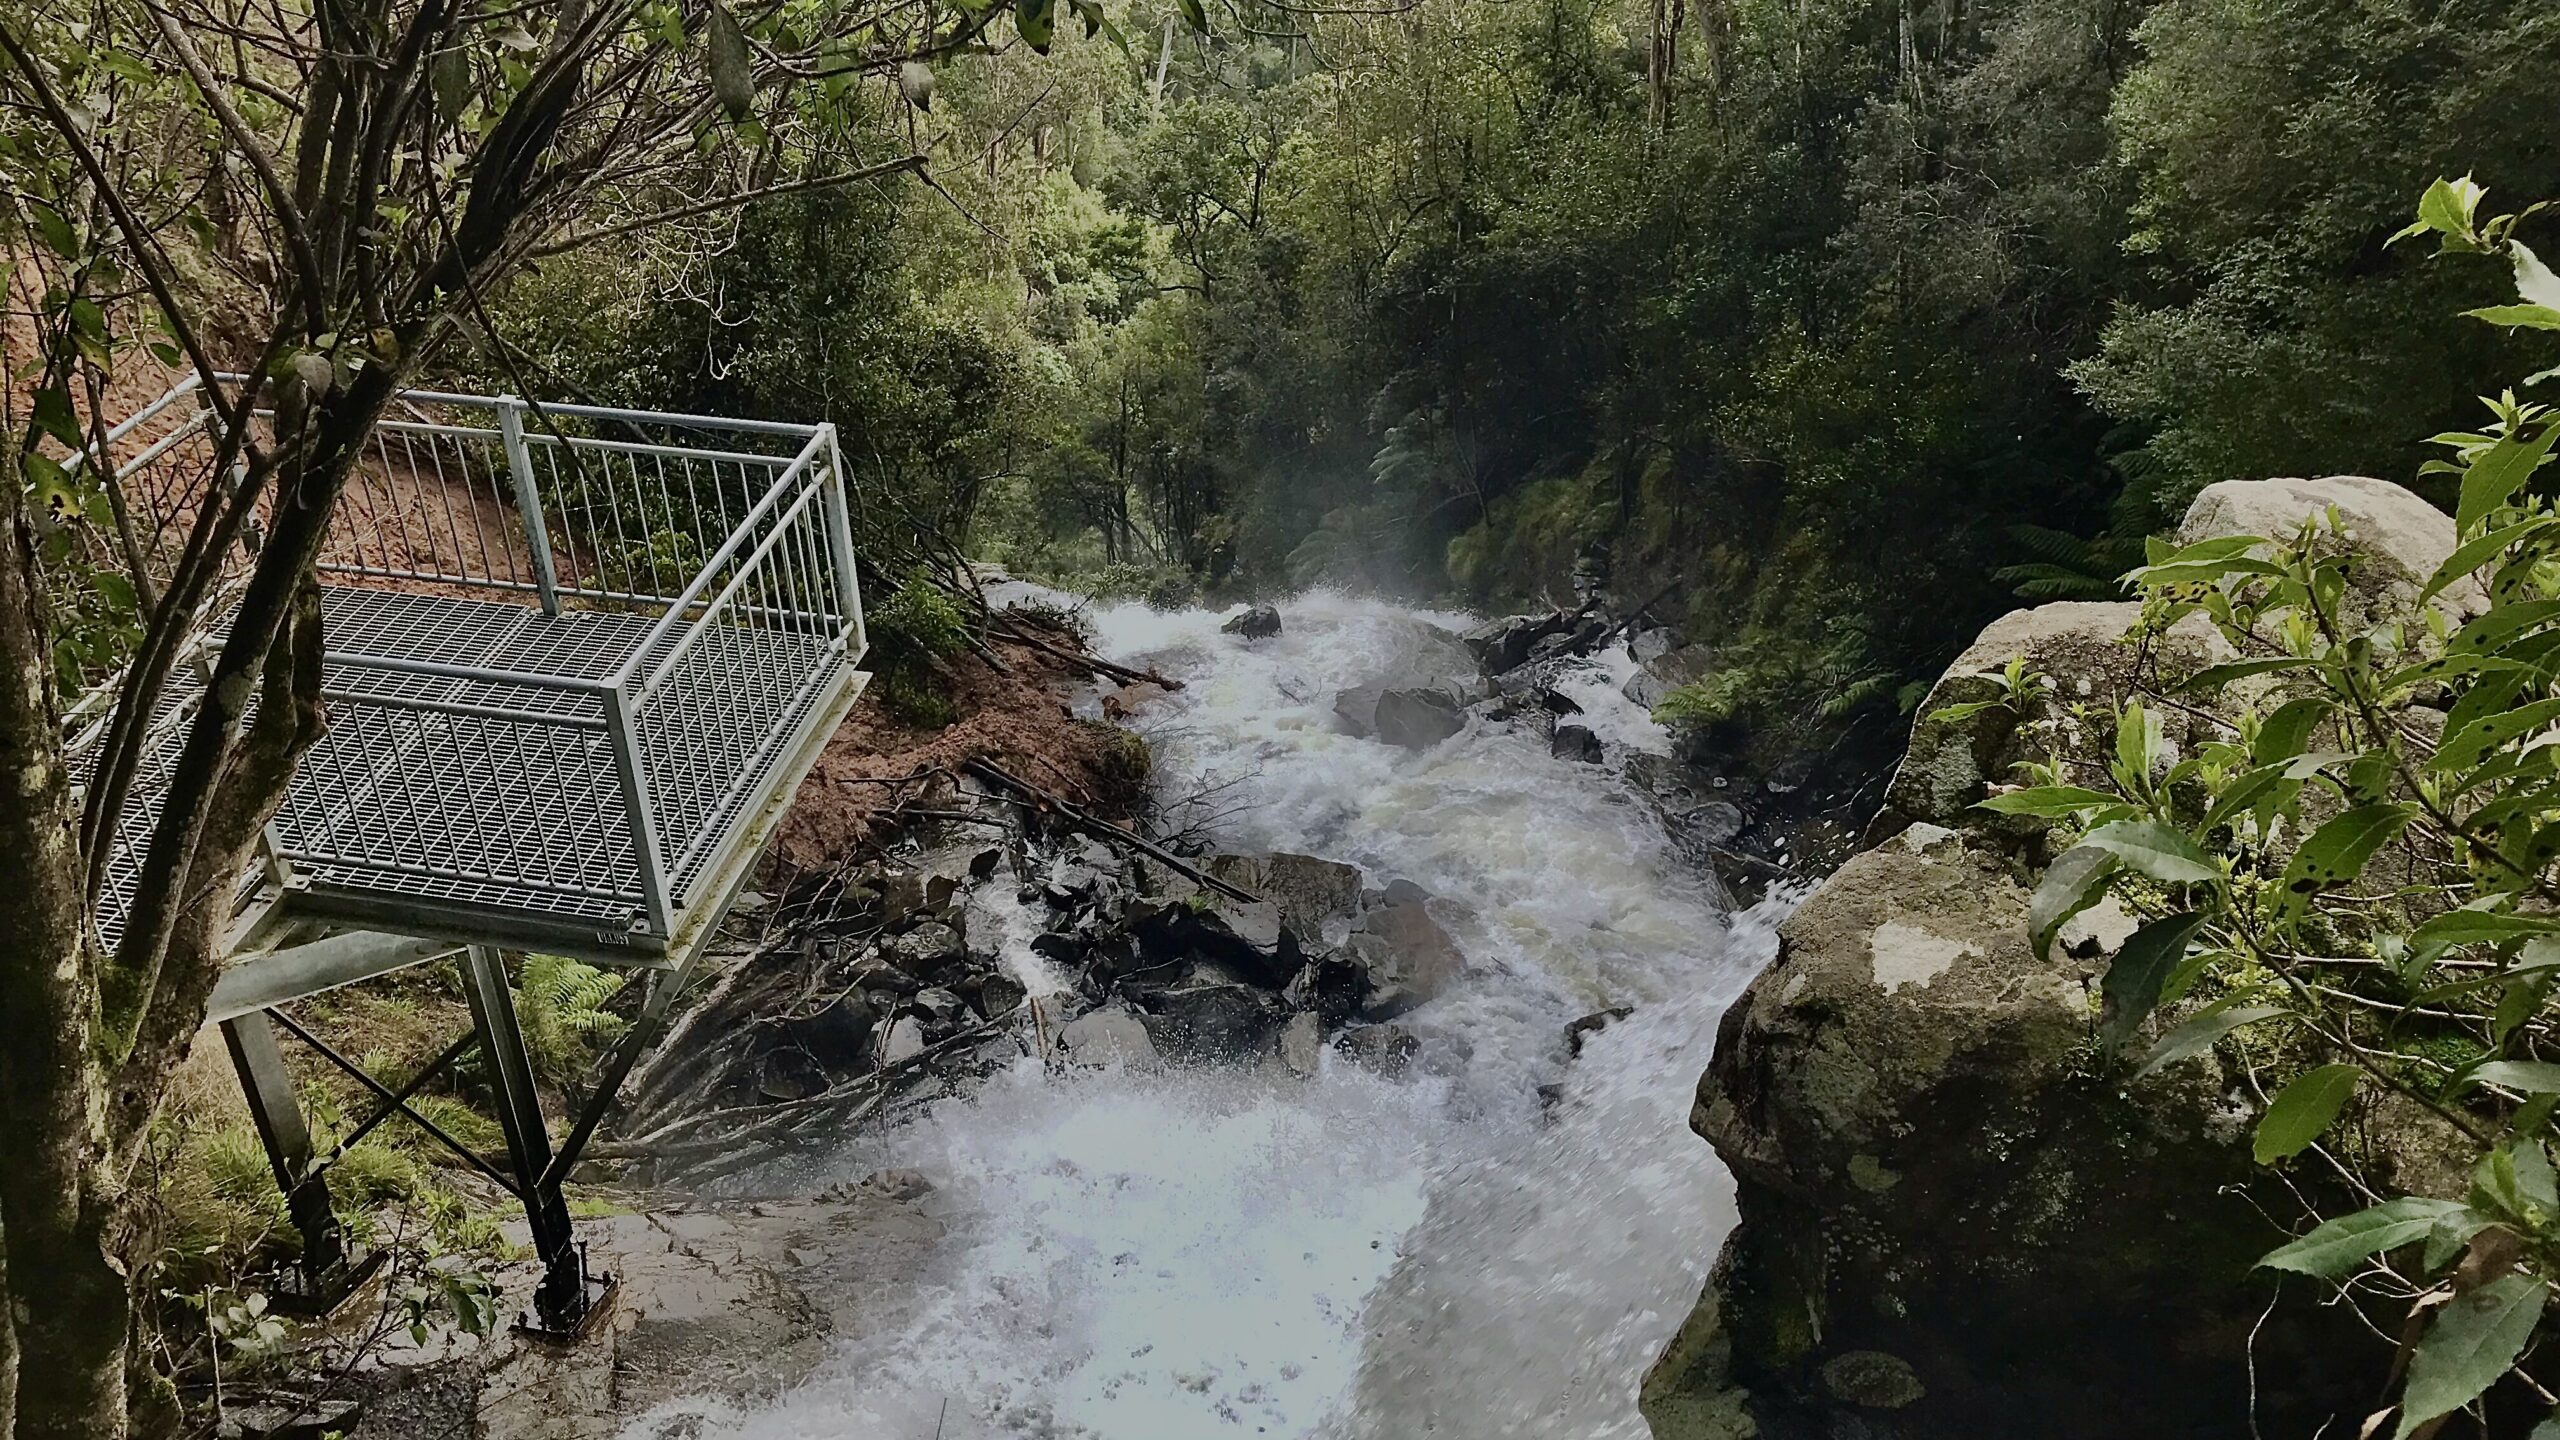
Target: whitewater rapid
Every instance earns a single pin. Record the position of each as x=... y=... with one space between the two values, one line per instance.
x=1172 y=1256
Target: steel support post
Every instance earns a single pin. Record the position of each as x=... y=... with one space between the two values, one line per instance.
x=326 y=1272
x=839 y=519
x=537 y=532
x=567 y=1295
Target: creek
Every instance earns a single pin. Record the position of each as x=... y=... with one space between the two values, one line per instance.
x=1496 y=1244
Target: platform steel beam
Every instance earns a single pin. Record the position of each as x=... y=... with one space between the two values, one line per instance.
x=326 y=1271
x=567 y=1294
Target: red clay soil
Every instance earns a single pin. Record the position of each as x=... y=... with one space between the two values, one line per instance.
x=1019 y=721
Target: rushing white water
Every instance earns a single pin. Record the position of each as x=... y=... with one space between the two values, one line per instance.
x=1175 y=1256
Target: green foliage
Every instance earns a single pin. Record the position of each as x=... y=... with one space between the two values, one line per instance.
x=914 y=627
x=2360 y=868
x=560 y=1006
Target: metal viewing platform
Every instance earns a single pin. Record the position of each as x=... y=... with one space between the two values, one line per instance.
x=577 y=661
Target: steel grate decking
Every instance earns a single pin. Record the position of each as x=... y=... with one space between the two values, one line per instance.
x=566 y=678
x=527 y=813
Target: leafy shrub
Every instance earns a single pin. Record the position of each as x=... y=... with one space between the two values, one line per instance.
x=2360 y=876
x=916 y=626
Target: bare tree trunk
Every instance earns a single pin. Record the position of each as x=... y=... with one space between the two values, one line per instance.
x=1662 y=60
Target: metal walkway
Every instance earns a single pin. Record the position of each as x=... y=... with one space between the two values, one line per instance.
x=577 y=661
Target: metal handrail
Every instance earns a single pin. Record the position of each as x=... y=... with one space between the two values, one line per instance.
x=728 y=547
x=679 y=702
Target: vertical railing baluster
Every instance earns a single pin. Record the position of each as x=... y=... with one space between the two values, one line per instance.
x=623 y=725
x=840 y=545
x=537 y=535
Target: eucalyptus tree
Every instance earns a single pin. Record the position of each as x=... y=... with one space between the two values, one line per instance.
x=300 y=204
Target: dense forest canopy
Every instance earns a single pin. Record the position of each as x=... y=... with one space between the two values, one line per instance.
x=1812 y=308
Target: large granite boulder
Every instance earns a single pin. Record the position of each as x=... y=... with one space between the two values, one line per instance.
x=1959 y=1217
x=1954 y=1222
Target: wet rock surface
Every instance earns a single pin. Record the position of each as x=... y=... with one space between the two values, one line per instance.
x=950 y=956
x=1960 y=1218
x=713 y=1305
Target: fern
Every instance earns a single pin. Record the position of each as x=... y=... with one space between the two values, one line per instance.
x=560 y=1004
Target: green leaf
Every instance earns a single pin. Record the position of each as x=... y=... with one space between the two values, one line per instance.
x=2530 y=317
x=2243 y=792
x=2049 y=801
x=2159 y=851
x=2447 y=1237
x=2475 y=741
x=2302 y=1110
x=2493 y=630
x=2338 y=1247
x=55 y=230
x=2197 y=1035
x=1194 y=16
x=2216 y=676
x=2469 y=1347
x=2477 y=927
x=2480 y=549
x=2282 y=735
x=2134 y=980
x=2535 y=284
x=2532 y=1077
x=451 y=77
x=1036 y=21
x=54 y=417
x=2070 y=885
x=733 y=80
x=2336 y=852
x=2497 y=474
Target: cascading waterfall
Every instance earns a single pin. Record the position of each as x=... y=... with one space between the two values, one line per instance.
x=1168 y=1256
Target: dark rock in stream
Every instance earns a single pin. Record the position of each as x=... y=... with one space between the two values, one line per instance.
x=1384 y=1049
x=1417 y=719
x=1259 y=622
x=1111 y=1034
x=838 y=1035
x=1576 y=742
x=926 y=951
x=1503 y=645
x=1211 y=1014
x=1404 y=955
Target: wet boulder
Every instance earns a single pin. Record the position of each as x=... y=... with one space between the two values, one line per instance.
x=1355 y=711
x=1576 y=742
x=1941 y=1204
x=1256 y=622
x=1382 y=1049
x=1667 y=670
x=1212 y=1014
x=1318 y=899
x=1111 y=1035
x=1504 y=644
x=904 y=1040
x=1417 y=719
x=1404 y=955
x=1715 y=822
x=837 y=1034
x=926 y=951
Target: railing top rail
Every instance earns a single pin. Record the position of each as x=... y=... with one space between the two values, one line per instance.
x=678 y=418
x=710 y=566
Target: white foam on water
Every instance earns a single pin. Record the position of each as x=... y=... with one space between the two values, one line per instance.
x=1176 y=1255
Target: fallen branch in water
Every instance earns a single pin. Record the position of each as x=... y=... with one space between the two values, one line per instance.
x=669 y=1140
x=1085 y=820
x=1090 y=663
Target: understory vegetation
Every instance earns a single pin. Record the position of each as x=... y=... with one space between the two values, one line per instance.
x=1790 y=315
x=2355 y=877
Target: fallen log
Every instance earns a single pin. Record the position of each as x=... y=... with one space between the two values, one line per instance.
x=1085 y=820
